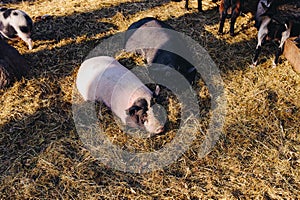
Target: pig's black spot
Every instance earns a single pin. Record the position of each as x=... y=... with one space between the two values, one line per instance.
x=15 y=13
x=2 y=9
x=29 y=22
x=11 y=32
x=24 y=29
x=7 y=13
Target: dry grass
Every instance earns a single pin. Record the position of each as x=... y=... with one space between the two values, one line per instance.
x=42 y=156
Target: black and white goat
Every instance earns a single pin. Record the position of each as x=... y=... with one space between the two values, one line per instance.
x=273 y=18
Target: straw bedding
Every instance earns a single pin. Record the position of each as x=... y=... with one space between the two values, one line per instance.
x=43 y=157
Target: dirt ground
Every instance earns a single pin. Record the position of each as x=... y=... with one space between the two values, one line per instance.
x=43 y=157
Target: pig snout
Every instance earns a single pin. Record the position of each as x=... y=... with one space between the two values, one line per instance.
x=159 y=130
x=154 y=123
x=16 y=23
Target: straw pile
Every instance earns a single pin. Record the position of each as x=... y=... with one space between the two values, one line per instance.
x=43 y=157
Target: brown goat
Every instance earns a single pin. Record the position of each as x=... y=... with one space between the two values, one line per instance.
x=233 y=7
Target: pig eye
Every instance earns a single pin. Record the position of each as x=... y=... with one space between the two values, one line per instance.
x=144 y=118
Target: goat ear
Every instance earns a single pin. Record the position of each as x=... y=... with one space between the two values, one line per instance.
x=132 y=110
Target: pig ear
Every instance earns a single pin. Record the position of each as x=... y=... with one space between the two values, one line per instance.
x=3 y=9
x=7 y=13
x=132 y=110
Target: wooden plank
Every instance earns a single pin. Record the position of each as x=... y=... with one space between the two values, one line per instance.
x=292 y=53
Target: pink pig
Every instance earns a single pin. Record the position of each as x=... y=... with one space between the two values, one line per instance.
x=104 y=78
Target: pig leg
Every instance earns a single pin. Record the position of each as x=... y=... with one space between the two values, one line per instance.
x=187 y=4
x=200 y=5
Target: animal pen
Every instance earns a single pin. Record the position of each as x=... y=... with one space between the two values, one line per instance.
x=257 y=155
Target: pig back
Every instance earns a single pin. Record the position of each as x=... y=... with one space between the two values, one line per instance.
x=105 y=79
x=168 y=47
x=156 y=36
